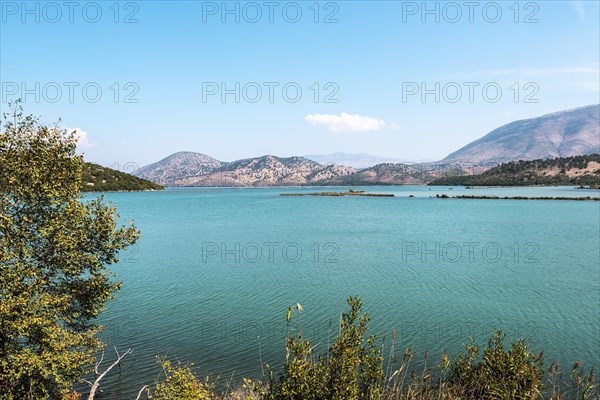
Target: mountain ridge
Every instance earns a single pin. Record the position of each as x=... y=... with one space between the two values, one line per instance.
x=573 y=132
x=178 y=165
x=559 y=134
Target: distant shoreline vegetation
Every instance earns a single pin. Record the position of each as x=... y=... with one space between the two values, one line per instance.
x=97 y=178
x=577 y=170
x=339 y=194
x=445 y=196
x=592 y=187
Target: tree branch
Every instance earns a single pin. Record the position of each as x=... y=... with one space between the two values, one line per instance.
x=146 y=388
x=96 y=383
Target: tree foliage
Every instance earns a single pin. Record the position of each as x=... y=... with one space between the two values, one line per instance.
x=54 y=251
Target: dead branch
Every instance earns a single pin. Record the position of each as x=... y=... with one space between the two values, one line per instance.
x=146 y=388
x=96 y=383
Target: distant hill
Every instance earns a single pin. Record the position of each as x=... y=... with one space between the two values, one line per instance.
x=358 y=161
x=266 y=171
x=97 y=178
x=179 y=167
x=387 y=174
x=561 y=134
x=578 y=170
x=195 y=169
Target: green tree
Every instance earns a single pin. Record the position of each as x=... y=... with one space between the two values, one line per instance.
x=54 y=251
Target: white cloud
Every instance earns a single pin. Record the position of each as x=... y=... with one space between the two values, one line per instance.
x=83 y=140
x=346 y=122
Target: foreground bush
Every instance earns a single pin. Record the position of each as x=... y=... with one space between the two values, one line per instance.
x=512 y=374
x=180 y=383
x=353 y=369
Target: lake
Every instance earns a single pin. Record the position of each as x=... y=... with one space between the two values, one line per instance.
x=216 y=269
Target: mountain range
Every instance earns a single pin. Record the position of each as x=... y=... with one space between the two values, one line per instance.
x=195 y=169
x=561 y=134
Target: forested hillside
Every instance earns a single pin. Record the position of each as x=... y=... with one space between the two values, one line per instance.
x=578 y=170
x=97 y=178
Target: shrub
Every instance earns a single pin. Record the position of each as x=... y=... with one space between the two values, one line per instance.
x=500 y=374
x=181 y=384
x=352 y=369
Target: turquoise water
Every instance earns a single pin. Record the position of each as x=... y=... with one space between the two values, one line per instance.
x=215 y=270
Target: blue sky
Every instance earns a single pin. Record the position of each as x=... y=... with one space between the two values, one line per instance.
x=407 y=80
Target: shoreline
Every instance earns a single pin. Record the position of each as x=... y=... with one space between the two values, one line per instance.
x=587 y=198
x=338 y=194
